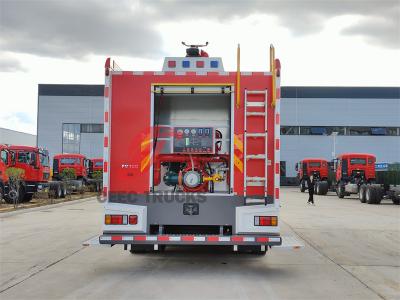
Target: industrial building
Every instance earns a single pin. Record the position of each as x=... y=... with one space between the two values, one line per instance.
x=13 y=137
x=70 y=119
x=315 y=122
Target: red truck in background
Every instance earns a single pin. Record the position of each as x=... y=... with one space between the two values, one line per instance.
x=316 y=167
x=354 y=170
x=97 y=164
x=5 y=161
x=77 y=162
x=35 y=163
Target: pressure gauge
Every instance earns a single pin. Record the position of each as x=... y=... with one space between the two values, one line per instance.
x=187 y=131
x=193 y=131
x=192 y=179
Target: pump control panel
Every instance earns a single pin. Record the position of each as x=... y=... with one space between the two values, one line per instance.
x=195 y=140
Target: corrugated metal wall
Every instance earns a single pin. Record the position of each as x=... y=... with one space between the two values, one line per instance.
x=53 y=111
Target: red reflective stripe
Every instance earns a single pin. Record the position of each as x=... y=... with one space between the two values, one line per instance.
x=213 y=238
x=187 y=238
x=278 y=93
x=262 y=239
x=163 y=238
x=106 y=91
x=139 y=237
x=106 y=116
x=277 y=168
x=237 y=239
x=105 y=167
x=116 y=238
x=106 y=141
x=277 y=118
x=277 y=144
x=105 y=191
x=277 y=193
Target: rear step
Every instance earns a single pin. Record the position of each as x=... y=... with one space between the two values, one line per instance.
x=165 y=239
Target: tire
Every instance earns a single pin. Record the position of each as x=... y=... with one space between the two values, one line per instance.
x=396 y=201
x=340 y=191
x=21 y=194
x=302 y=186
x=370 y=195
x=317 y=189
x=379 y=194
x=361 y=193
x=8 y=199
x=137 y=249
x=255 y=250
x=57 y=192
x=28 y=197
x=63 y=191
x=324 y=187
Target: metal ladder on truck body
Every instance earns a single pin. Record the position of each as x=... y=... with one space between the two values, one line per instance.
x=255 y=180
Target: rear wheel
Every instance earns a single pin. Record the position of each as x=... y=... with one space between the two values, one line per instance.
x=21 y=194
x=361 y=193
x=63 y=190
x=317 y=188
x=379 y=194
x=57 y=192
x=370 y=195
x=340 y=190
x=302 y=186
x=324 y=186
x=396 y=201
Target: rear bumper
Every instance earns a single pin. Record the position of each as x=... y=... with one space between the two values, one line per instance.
x=113 y=239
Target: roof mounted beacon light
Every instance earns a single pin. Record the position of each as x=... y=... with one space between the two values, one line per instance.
x=193 y=50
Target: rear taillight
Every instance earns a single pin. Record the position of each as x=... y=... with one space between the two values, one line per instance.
x=265 y=221
x=120 y=219
x=116 y=220
x=133 y=219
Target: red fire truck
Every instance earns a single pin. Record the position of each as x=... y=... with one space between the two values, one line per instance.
x=191 y=155
x=316 y=167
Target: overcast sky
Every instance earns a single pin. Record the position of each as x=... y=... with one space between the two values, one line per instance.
x=319 y=42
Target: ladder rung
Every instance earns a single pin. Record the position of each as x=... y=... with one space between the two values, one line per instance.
x=255 y=183
x=255 y=178
x=261 y=114
x=255 y=104
x=255 y=156
x=255 y=92
x=256 y=134
x=255 y=200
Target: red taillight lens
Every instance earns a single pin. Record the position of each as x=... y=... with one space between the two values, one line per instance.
x=133 y=219
x=115 y=220
x=265 y=221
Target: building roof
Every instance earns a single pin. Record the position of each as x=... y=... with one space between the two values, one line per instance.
x=286 y=91
x=71 y=90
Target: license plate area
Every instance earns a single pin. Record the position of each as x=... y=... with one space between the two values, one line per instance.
x=191 y=209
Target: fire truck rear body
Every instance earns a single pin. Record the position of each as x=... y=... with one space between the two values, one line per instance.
x=191 y=155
